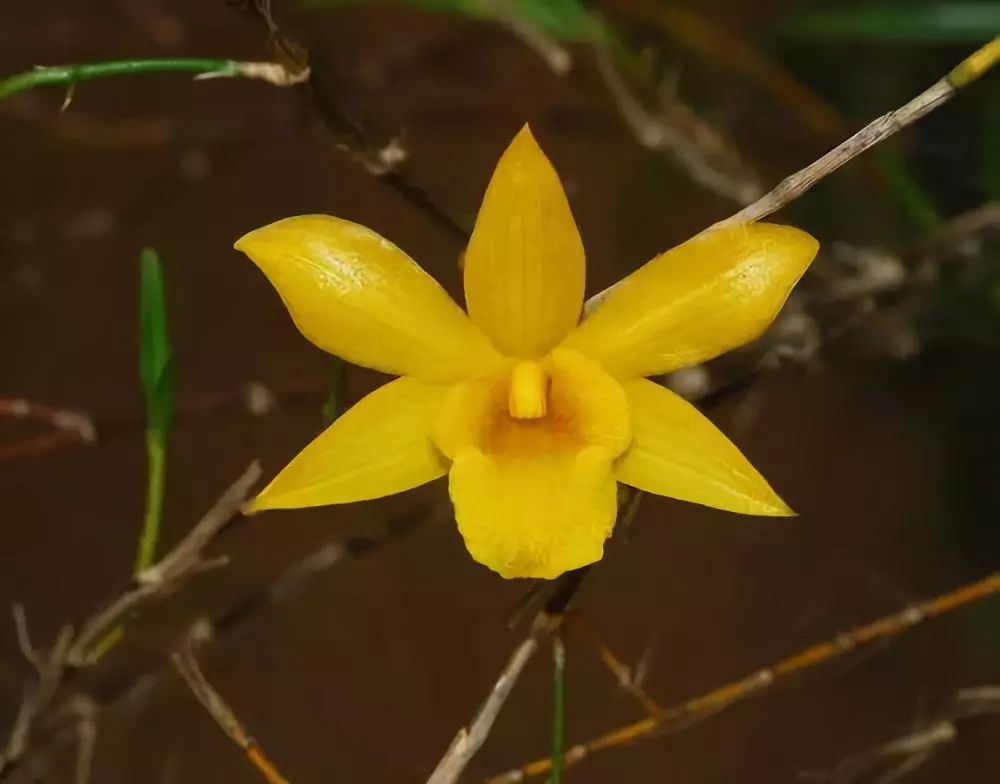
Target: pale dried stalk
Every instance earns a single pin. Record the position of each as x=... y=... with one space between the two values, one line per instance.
x=83 y=649
x=469 y=740
x=687 y=714
x=878 y=130
x=67 y=427
x=184 y=561
x=656 y=133
x=186 y=664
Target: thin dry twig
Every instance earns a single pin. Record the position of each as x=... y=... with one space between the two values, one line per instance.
x=697 y=148
x=623 y=675
x=66 y=427
x=74 y=651
x=880 y=129
x=185 y=560
x=555 y=55
x=897 y=758
x=470 y=739
x=74 y=428
x=687 y=714
x=186 y=664
x=228 y=623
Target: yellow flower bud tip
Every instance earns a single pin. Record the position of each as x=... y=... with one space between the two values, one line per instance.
x=528 y=394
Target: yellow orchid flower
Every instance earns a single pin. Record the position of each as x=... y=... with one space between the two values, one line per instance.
x=533 y=414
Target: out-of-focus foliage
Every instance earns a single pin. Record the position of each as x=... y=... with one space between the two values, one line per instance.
x=567 y=19
x=904 y=22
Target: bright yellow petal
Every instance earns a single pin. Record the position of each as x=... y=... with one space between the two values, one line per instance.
x=535 y=518
x=715 y=292
x=358 y=296
x=679 y=453
x=379 y=447
x=524 y=267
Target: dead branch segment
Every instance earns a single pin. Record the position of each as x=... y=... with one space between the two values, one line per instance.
x=103 y=628
x=679 y=717
x=186 y=664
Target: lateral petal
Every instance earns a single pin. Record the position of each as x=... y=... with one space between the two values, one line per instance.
x=356 y=295
x=715 y=292
x=677 y=452
x=380 y=446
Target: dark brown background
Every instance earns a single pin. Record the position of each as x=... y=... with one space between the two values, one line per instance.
x=366 y=675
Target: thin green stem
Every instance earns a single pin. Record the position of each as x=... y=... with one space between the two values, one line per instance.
x=558 y=710
x=70 y=75
x=156 y=452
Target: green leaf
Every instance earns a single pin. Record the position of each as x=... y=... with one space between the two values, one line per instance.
x=991 y=144
x=155 y=356
x=903 y=186
x=156 y=371
x=333 y=406
x=566 y=19
x=899 y=23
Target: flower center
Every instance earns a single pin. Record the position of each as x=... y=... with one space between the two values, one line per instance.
x=560 y=404
x=527 y=397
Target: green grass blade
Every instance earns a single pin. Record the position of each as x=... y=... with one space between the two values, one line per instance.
x=907 y=192
x=991 y=144
x=156 y=372
x=566 y=19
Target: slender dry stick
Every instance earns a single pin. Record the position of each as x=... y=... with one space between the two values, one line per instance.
x=656 y=133
x=184 y=561
x=469 y=739
x=72 y=652
x=71 y=428
x=231 y=621
x=558 y=708
x=880 y=129
x=687 y=714
x=622 y=674
x=186 y=664
x=66 y=427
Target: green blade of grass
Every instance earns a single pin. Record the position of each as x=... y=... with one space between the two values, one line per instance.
x=907 y=192
x=991 y=145
x=333 y=406
x=156 y=372
x=905 y=22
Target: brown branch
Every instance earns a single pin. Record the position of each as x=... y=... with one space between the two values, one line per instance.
x=893 y=760
x=469 y=740
x=623 y=675
x=74 y=651
x=66 y=427
x=184 y=561
x=228 y=623
x=186 y=664
x=687 y=714
x=876 y=131
x=73 y=428
x=693 y=144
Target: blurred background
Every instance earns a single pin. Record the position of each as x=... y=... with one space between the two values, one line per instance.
x=871 y=406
